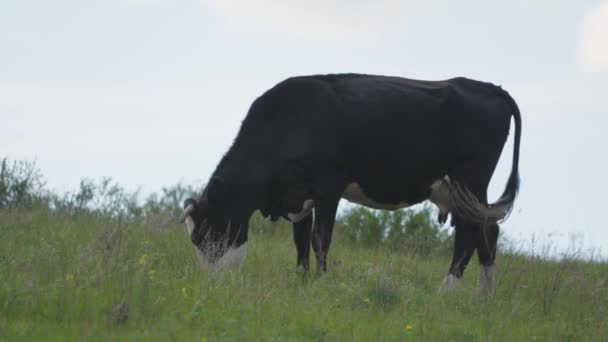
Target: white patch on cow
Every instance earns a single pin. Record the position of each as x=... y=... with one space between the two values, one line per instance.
x=306 y=209
x=202 y=258
x=354 y=193
x=440 y=195
x=449 y=283
x=486 y=279
x=232 y=259
x=189 y=225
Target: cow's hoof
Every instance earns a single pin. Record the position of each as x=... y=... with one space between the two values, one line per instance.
x=319 y=273
x=449 y=283
x=486 y=280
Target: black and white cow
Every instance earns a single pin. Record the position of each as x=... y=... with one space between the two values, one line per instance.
x=383 y=142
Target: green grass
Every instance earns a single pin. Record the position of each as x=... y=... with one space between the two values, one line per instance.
x=86 y=278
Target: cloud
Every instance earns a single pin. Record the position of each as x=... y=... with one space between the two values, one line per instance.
x=593 y=39
x=317 y=20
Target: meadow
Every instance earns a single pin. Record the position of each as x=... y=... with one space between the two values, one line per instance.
x=66 y=277
x=70 y=271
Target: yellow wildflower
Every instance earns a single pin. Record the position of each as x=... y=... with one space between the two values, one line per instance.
x=408 y=327
x=366 y=300
x=184 y=292
x=143 y=259
x=69 y=277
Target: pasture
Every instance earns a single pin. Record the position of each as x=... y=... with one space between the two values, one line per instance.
x=89 y=277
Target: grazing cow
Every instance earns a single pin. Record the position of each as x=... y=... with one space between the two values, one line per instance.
x=383 y=142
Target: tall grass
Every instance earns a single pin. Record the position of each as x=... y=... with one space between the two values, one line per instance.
x=75 y=277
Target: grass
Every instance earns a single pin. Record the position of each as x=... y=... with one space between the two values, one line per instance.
x=84 y=277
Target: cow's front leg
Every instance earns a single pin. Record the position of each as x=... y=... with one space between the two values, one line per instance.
x=325 y=216
x=301 y=237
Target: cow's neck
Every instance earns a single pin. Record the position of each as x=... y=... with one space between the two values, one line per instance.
x=246 y=183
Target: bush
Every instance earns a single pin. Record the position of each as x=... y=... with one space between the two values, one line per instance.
x=363 y=226
x=413 y=230
x=20 y=183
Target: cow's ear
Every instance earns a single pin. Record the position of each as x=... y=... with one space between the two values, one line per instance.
x=215 y=190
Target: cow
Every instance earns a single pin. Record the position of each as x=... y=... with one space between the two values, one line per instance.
x=380 y=141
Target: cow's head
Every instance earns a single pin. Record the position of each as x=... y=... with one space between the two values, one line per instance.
x=216 y=224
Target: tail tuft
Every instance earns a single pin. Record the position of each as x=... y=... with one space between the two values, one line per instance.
x=464 y=203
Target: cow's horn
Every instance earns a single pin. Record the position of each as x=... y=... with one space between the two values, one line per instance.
x=186 y=213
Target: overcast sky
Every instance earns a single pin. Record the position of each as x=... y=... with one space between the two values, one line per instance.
x=152 y=92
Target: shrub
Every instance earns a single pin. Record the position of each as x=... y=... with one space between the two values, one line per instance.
x=413 y=230
x=20 y=183
x=363 y=226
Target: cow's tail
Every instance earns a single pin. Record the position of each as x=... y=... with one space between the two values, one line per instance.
x=466 y=203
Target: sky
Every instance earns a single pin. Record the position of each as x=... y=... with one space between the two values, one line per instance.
x=152 y=92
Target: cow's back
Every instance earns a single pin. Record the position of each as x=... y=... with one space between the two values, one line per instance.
x=388 y=125
x=371 y=128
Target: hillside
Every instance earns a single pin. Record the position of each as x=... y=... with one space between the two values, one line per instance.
x=86 y=276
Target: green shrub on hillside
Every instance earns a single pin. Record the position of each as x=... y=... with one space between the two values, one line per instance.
x=411 y=230
x=20 y=183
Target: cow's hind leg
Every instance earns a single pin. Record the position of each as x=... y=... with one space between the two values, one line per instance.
x=301 y=236
x=469 y=237
x=486 y=251
x=470 y=233
x=464 y=246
